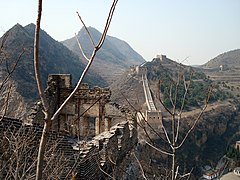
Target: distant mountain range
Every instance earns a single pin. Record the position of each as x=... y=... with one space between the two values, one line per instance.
x=114 y=57
x=54 y=57
x=229 y=59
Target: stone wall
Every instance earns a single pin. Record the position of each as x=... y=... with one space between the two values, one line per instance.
x=85 y=158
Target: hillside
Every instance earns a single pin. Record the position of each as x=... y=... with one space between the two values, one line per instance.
x=112 y=60
x=166 y=71
x=228 y=75
x=53 y=56
x=217 y=128
x=227 y=59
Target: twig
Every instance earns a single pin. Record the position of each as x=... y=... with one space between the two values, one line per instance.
x=103 y=170
x=6 y=102
x=10 y=72
x=80 y=47
x=85 y=27
x=141 y=168
x=158 y=149
x=160 y=100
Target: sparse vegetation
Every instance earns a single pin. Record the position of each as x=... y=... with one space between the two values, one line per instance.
x=197 y=91
x=232 y=152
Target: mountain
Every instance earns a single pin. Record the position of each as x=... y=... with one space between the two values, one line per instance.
x=114 y=57
x=224 y=70
x=54 y=58
x=229 y=59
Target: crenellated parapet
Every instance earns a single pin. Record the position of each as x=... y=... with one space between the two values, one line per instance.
x=88 y=94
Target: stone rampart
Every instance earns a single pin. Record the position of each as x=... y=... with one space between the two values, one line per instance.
x=84 y=159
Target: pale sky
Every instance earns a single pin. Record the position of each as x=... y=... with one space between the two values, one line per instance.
x=197 y=29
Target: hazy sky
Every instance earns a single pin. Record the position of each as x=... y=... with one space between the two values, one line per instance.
x=197 y=29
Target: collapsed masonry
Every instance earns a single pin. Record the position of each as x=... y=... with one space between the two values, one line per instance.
x=92 y=134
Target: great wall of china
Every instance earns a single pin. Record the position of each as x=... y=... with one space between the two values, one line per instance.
x=92 y=133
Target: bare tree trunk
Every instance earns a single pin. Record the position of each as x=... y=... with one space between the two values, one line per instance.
x=173 y=146
x=42 y=148
x=47 y=120
x=173 y=163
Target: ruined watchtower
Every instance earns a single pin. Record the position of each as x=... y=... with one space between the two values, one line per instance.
x=84 y=115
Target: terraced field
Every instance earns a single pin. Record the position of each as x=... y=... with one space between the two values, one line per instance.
x=228 y=80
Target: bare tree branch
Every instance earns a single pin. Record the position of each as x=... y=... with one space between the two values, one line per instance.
x=196 y=120
x=85 y=27
x=104 y=172
x=160 y=99
x=95 y=50
x=80 y=47
x=6 y=102
x=183 y=103
x=158 y=149
x=141 y=168
x=10 y=72
x=166 y=135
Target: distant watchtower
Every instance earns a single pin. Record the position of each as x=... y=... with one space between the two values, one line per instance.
x=221 y=67
x=161 y=57
x=237 y=145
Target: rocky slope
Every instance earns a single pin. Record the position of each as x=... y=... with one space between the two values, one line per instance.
x=216 y=130
x=112 y=60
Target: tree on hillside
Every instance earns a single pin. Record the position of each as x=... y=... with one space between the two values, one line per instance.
x=48 y=116
x=178 y=98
